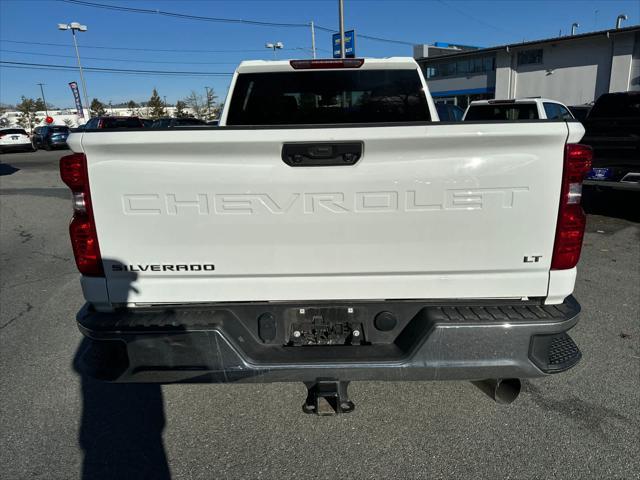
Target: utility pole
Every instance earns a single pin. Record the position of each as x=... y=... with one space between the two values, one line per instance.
x=208 y=104
x=341 y=21
x=43 y=99
x=313 y=40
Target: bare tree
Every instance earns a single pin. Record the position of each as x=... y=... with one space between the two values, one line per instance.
x=197 y=103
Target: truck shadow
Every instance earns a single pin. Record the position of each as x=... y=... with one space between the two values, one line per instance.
x=121 y=425
x=6 y=169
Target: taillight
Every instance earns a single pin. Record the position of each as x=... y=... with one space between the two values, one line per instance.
x=73 y=171
x=84 y=239
x=571 y=217
x=326 y=63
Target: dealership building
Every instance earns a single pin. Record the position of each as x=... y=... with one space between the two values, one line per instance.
x=574 y=69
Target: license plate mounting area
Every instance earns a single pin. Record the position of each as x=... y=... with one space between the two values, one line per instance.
x=325 y=326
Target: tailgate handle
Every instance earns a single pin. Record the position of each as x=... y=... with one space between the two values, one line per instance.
x=321 y=154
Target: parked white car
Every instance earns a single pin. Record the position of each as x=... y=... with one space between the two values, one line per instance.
x=517 y=109
x=12 y=139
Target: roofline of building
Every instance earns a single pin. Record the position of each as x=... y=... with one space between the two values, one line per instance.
x=580 y=36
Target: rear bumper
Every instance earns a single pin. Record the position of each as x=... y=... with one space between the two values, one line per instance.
x=430 y=341
x=632 y=186
x=19 y=147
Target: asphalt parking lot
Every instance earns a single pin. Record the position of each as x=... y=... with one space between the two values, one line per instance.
x=56 y=424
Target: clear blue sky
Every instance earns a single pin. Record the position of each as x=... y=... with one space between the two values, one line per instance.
x=475 y=22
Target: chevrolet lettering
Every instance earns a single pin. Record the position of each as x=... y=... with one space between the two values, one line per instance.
x=327 y=202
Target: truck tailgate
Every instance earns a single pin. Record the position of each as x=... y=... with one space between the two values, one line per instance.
x=429 y=211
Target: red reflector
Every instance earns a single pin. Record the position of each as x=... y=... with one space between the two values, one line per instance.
x=85 y=246
x=327 y=63
x=73 y=170
x=571 y=217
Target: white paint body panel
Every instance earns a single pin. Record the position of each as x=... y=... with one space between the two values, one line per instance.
x=430 y=211
x=561 y=283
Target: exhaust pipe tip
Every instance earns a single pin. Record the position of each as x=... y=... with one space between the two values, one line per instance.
x=502 y=390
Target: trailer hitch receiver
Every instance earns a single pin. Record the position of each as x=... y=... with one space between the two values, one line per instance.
x=327 y=397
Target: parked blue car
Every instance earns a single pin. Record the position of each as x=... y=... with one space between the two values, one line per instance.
x=50 y=137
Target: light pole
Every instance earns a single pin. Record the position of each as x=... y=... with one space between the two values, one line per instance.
x=73 y=26
x=313 y=40
x=43 y=99
x=341 y=21
x=274 y=46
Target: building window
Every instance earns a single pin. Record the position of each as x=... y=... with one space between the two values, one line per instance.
x=528 y=57
x=460 y=67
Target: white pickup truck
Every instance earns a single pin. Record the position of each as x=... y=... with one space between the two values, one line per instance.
x=330 y=229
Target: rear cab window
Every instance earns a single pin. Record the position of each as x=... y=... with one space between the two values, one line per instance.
x=162 y=123
x=503 y=112
x=13 y=131
x=555 y=111
x=616 y=106
x=328 y=97
x=124 y=122
x=93 y=123
x=188 y=121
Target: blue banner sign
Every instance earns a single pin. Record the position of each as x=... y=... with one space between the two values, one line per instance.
x=349 y=44
x=76 y=97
